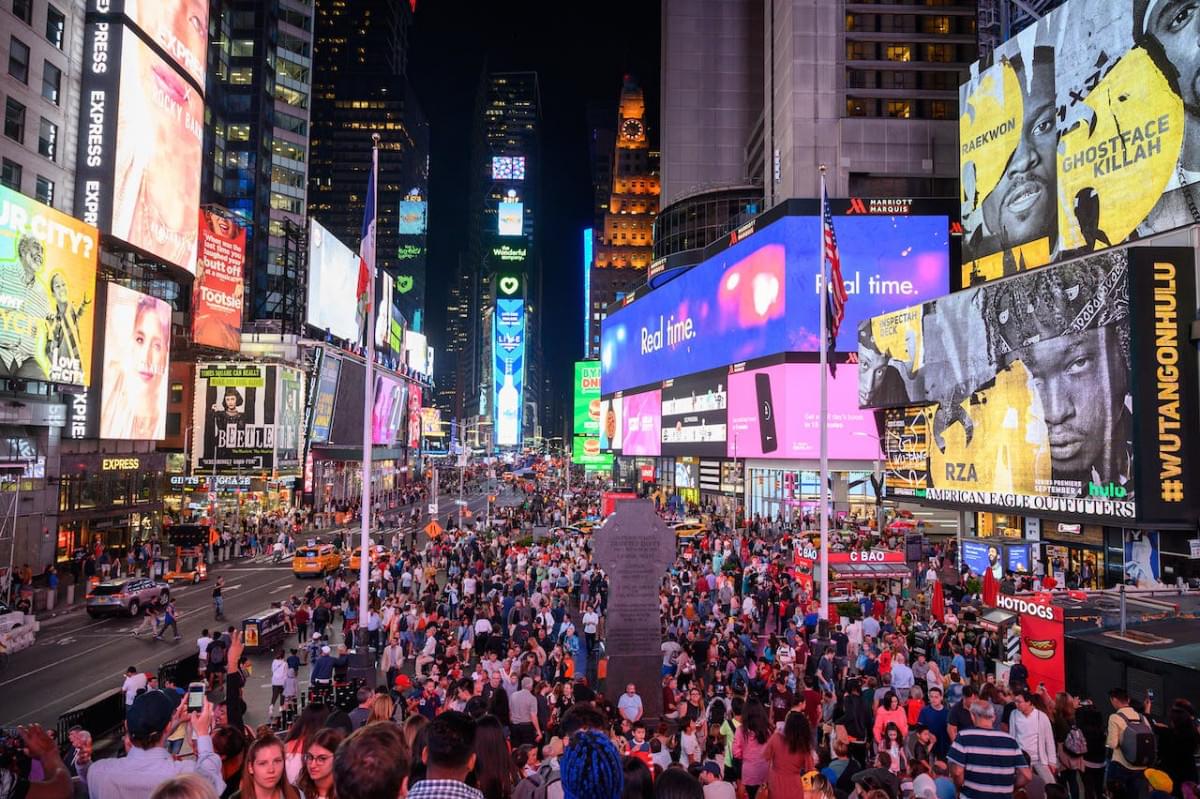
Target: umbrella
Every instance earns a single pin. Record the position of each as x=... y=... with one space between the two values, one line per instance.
x=937 y=604
x=991 y=588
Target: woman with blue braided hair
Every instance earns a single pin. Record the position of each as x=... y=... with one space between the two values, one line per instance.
x=591 y=767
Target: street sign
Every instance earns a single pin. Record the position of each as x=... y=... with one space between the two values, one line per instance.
x=433 y=508
x=1195 y=549
x=461 y=502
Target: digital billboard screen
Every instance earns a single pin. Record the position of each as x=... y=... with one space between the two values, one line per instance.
x=585 y=451
x=1076 y=135
x=289 y=419
x=906 y=451
x=508 y=167
x=179 y=27
x=416 y=351
x=431 y=423
x=219 y=286
x=388 y=412
x=413 y=418
x=775 y=412
x=156 y=181
x=508 y=369
x=137 y=342
x=511 y=218
x=695 y=412
x=327 y=389
x=413 y=217
x=332 y=285
x=642 y=424
x=47 y=292
x=234 y=418
x=759 y=296
x=587 y=399
x=611 y=424
x=1032 y=386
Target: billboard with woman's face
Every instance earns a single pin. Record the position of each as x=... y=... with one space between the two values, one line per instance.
x=137 y=340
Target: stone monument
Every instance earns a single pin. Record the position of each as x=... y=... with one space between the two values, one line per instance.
x=635 y=548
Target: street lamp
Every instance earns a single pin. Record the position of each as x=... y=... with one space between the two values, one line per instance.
x=880 y=487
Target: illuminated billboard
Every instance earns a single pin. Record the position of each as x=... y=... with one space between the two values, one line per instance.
x=431 y=423
x=388 y=412
x=775 y=412
x=413 y=417
x=587 y=399
x=1058 y=391
x=179 y=27
x=413 y=217
x=641 y=424
x=906 y=451
x=137 y=342
x=511 y=218
x=219 y=285
x=1079 y=134
x=327 y=389
x=695 y=414
x=508 y=167
x=611 y=424
x=416 y=352
x=759 y=296
x=47 y=292
x=508 y=369
x=332 y=285
x=585 y=451
x=247 y=418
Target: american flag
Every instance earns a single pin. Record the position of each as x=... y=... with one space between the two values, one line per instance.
x=835 y=293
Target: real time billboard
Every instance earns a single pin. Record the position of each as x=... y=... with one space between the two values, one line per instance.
x=137 y=342
x=587 y=399
x=47 y=292
x=759 y=296
x=219 y=286
x=431 y=423
x=1032 y=386
x=508 y=369
x=906 y=451
x=695 y=412
x=1078 y=135
x=775 y=412
x=332 y=285
x=642 y=423
x=327 y=389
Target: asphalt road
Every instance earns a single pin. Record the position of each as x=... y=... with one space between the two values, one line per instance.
x=77 y=658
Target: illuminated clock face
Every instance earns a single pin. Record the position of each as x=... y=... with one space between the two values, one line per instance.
x=631 y=128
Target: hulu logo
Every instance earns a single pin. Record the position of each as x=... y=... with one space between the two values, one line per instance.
x=1109 y=491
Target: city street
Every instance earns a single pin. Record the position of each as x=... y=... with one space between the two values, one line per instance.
x=77 y=657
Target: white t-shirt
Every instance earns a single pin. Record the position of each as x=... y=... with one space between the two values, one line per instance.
x=202 y=644
x=133 y=683
x=590 y=620
x=279 y=670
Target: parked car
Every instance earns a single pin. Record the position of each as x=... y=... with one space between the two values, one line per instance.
x=126 y=596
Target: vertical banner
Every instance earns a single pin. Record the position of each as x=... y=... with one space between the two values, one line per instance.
x=414 y=416
x=219 y=288
x=234 y=418
x=1162 y=285
x=289 y=438
x=137 y=341
x=1042 y=641
x=508 y=368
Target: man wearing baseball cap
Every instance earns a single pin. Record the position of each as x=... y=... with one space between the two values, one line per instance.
x=150 y=720
x=714 y=786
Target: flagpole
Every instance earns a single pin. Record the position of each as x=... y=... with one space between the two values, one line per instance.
x=823 y=302
x=364 y=560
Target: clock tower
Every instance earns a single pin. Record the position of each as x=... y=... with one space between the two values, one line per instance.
x=624 y=248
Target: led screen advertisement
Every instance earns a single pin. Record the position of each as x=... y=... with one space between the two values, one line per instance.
x=1078 y=135
x=179 y=27
x=775 y=412
x=244 y=415
x=414 y=417
x=327 y=389
x=587 y=399
x=431 y=423
x=137 y=341
x=508 y=368
x=388 y=412
x=759 y=296
x=332 y=285
x=642 y=424
x=1000 y=556
x=586 y=452
x=508 y=167
x=695 y=414
x=906 y=451
x=413 y=217
x=47 y=292
x=511 y=218
x=611 y=424
x=219 y=285
x=1033 y=384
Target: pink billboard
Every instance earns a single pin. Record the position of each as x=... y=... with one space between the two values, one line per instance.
x=774 y=412
x=641 y=425
x=388 y=410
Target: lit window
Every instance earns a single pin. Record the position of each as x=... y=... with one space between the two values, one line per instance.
x=898 y=52
x=900 y=109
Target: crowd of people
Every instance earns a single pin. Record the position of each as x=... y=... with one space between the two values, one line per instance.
x=489 y=648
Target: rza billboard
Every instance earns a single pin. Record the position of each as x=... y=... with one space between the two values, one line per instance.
x=1079 y=134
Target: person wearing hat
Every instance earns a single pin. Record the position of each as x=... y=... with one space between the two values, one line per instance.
x=714 y=786
x=150 y=720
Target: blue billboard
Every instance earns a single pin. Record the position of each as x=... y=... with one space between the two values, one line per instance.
x=759 y=296
x=508 y=370
x=413 y=217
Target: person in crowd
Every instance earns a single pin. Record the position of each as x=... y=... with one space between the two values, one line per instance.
x=986 y=762
x=184 y=786
x=373 y=763
x=790 y=755
x=265 y=776
x=316 y=780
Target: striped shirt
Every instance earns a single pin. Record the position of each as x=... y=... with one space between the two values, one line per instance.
x=989 y=759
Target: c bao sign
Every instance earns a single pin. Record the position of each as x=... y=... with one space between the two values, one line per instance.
x=867 y=556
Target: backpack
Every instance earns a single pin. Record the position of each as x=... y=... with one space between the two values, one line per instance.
x=216 y=653
x=1075 y=744
x=1138 y=743
x=537 y=786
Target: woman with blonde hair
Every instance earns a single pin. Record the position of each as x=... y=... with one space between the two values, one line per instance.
x=815 y=786
x=382 y=708
x=185 y=786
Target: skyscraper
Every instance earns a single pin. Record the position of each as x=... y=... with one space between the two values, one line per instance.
x=623 y=247
x=360 y=88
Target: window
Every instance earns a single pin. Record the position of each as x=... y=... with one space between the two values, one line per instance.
x=51 y=82
x=174 y=424
x=10 y=174
x=23 y=10
x=176 y=393
x=856 y=107
x=942 y=53
x=898 y=52
x=897 y=80
x=935 y=24
x=45 y=191
x=939 y=109
x=56 y=26
x=18 y=60
x=14 y=120
x=47 y=138
x=239 y=133
x=860 y=51
x=900 y=109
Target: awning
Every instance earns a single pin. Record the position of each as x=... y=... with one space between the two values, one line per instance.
x=870 y=571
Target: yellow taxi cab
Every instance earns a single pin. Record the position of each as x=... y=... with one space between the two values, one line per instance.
x=586 y=525
x=315 y=561
x=354 y=559
x=690 y=529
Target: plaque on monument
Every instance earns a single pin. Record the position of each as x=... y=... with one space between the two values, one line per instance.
x=635 y=548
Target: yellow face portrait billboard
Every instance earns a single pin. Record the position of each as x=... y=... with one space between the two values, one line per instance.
x=1079 y=134
x=47 y=292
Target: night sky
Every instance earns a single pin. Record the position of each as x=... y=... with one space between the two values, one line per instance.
x=577 y=63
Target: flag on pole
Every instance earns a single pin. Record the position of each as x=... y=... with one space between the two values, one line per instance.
x=835 y=288
x=366 y=249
